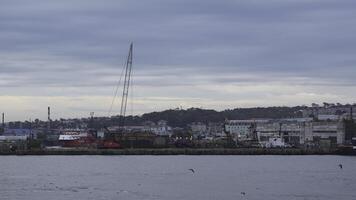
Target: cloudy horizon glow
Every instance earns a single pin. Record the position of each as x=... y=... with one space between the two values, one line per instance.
x=210 y=54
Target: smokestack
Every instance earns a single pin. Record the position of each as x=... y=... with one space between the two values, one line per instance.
x=49 y=118
x=91 y=120
x=49 y=113
x=3 y=120
x=351 y=113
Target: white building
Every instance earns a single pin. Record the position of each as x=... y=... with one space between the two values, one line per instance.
x=299 y=133
x=198 y=128
x=267 y=130
x=333 y=131
x=161 y=128
x=72 y=134
x=324 y=117
x=13 y=137
x=242 y=129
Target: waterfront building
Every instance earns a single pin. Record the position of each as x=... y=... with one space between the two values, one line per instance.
x=27 y=132
x=198 y=128
x=290 y=130
x=329 y=117
x=334 y=131
x=300 y=133
x=13 y=142
x=10 y=138
x=100 y=134
x=242 y=129
x=161 y=128
x=17 y=131
x=215 y=129
x=293 y=132
x=266 y=130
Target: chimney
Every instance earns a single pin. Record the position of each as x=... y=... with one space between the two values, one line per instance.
x=91 y=120
x=3 y=120
x=351 y=114
x=49 y=118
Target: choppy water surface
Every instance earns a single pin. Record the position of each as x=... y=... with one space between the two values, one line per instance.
x=169 y=177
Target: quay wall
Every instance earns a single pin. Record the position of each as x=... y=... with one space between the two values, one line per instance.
x=175 y=151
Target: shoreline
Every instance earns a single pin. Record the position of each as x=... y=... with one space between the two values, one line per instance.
x=180 y=151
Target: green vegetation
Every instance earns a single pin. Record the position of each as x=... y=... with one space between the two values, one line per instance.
x=180 y=118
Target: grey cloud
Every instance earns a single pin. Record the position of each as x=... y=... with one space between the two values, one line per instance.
x=82 y=44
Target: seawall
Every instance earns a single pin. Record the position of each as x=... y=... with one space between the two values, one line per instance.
x=176 y=151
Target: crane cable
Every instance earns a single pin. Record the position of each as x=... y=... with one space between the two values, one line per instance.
x=116 y=90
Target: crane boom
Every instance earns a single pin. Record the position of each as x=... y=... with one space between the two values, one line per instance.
x=125 y=91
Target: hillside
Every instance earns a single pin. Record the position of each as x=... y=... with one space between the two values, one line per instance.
x=180 y=118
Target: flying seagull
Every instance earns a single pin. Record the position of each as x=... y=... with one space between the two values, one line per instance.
x=192 y=170
x=340 y=165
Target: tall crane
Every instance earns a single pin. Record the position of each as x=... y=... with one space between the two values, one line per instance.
x=125 y=91
x=112 y=139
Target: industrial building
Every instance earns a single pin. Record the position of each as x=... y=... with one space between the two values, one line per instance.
x=298 y=131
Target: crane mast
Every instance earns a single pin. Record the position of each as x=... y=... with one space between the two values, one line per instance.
x=125 y=91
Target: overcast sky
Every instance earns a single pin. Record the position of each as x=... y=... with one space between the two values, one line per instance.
x=202 y=53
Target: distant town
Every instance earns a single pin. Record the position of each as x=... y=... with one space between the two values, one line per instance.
x=327 y=126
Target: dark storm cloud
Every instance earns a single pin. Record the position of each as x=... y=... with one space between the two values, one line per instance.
x=63 y=43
